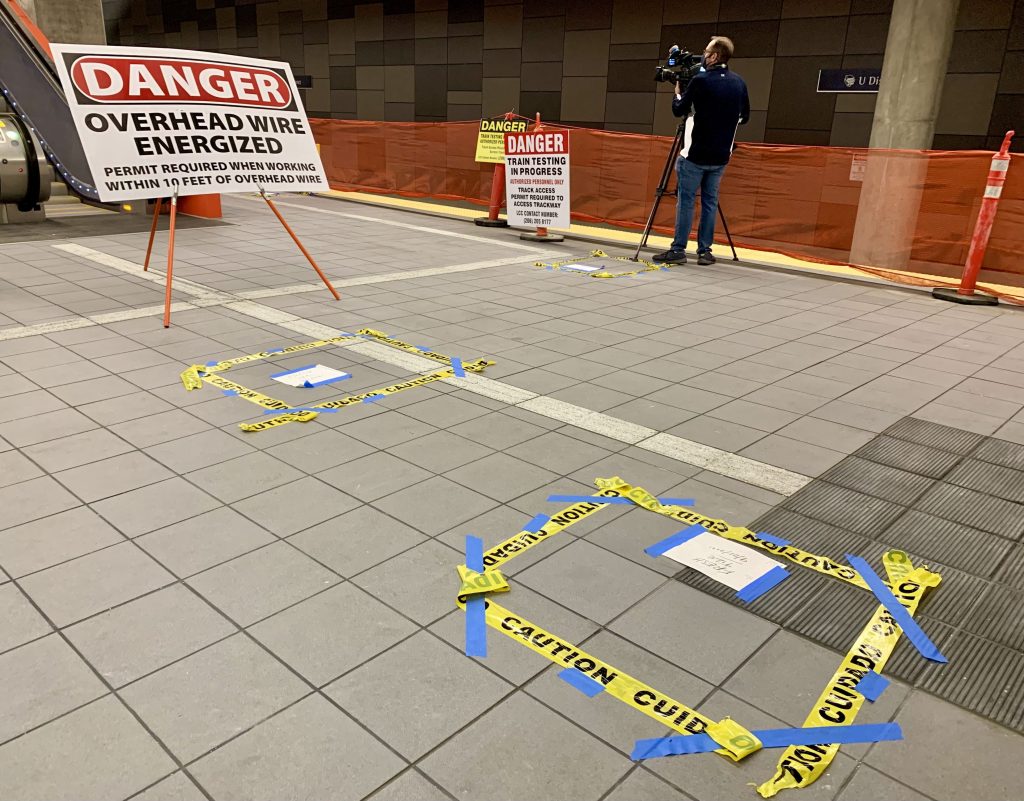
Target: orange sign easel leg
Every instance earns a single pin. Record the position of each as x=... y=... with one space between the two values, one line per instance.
x=170 y=262
x=152 y=232
x=305 y=252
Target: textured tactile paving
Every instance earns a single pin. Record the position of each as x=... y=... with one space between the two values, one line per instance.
x=906 y=663
x=912 y=457
x=812 y=535
x=923 y=432
x=951 y=543
x=1000 y=617
x=1012 y=571
x=991 y=479
x=983 y=676
x=878 y=480
x=974 y=509
x=997 y=451
x=844 y=508
x=954 y=501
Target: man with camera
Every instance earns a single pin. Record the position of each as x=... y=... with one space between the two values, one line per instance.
x=718 y=99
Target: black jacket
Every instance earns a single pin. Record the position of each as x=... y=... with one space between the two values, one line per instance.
x=719 y=101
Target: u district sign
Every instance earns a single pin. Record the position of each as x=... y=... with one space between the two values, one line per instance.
x=155 y=121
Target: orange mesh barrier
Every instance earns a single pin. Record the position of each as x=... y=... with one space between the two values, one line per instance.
x=797 y=200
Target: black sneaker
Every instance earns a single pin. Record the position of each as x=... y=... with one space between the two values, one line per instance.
x=704 y=259
x=670 y=257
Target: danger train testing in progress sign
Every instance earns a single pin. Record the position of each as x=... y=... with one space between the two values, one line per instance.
x=537 y=178
x=153 y=121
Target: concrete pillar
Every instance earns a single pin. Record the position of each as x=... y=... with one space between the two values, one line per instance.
x=68 y=21
x=913 y=75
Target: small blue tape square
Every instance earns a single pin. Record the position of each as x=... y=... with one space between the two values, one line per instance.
x=676 y=501
x=872 y=685
x=582 y=682
x=678 y=538
x=536 y=524
x=457 y=368
x=760 y=586
x=764 y=535
x=230 y=392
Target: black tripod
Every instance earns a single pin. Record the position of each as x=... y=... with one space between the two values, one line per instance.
x=662 y=190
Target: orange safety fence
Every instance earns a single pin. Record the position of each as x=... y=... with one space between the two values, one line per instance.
x=919 y=211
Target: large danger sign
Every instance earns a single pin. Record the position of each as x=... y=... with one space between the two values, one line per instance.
x=153 y=121
x=537 y=178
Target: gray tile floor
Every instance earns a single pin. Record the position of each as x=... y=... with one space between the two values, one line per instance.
x=195 y=612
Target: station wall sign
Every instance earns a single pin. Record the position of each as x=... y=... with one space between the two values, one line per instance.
x=849 y=80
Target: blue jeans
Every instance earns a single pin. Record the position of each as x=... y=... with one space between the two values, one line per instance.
x=689 y=178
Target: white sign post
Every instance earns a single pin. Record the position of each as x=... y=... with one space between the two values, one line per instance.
x=537 y=178
x=158 y=123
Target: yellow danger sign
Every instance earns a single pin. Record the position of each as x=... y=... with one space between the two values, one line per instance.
x=490 y=141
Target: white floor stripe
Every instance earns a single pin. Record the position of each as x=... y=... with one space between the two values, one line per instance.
x=153 y=276
x=750 y=471
x=395 y=224
x=384 y=278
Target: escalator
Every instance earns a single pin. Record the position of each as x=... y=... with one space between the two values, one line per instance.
x=40 y=118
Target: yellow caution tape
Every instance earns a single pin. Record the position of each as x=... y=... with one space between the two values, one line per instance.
x=649 y=266
x=897 y=565
x=340 y=403
x=735 y=740
x=819 y=564
x=245 y=393
x=380 y=336
x=271 y=354
x=474 y=583
x=524 y=540
x=190 y=378
x=839 y=703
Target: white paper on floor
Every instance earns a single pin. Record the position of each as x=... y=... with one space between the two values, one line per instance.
x=583 y=268
x=313 y=375
x=730 y=563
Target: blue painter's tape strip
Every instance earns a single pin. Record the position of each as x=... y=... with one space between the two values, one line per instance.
x=676 y=501
x=536 y=524
x=770 y=738
x=772 y=538
x=914 y=632
x=476 y=609
x=289 y=372
x=422 y=348
x=760 y=586
x=230 y=392
x=591 y=498
x=871 y=686
x=582 y=682
x=373 y=398
x=299 y=409
x=334 y=380
x=276 y=350
x=212 y=364
x=676 y=539
x=457 y=368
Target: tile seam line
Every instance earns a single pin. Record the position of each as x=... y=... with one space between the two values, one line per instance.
x=732 y=465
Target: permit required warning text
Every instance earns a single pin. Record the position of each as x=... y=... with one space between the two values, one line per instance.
x=155 y=121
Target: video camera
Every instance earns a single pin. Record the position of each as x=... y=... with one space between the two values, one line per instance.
x=680 y=66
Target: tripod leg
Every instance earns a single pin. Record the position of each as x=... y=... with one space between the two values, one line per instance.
x=666 y=173
x=728 y=236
